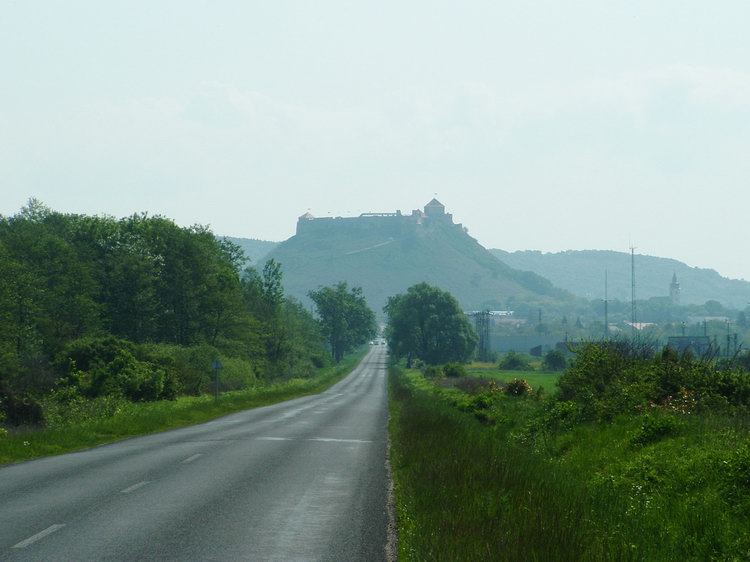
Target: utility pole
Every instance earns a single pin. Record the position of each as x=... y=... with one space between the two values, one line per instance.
x=729 y=338
x=606 y=306
x=633 y=315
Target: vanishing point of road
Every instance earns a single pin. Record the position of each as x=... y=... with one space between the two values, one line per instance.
x=300 y=480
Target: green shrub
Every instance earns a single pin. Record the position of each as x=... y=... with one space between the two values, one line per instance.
x=236 y=374
x=108 y=366
x=518 y=387
x=554 y=360
x=20 y=410
x=432 y=372
x=454 y=370
x=65 y=406
x=608 y=379
x=514 y=362
x=655 y=428
x=91 y=353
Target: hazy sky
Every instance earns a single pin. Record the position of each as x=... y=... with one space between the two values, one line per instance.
x=540 y=124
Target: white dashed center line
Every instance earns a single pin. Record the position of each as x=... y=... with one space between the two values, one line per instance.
x=38 y=536
x=191 y=459
x=134 y=487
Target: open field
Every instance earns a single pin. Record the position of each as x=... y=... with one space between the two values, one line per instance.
x=129 y=419
x=545 y=379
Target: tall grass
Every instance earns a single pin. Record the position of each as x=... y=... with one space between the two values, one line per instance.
x=622 y=491
x=105 y=420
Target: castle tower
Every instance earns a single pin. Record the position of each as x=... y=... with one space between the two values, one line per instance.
x=304 y=221
x=434 y=209
x=674 y=290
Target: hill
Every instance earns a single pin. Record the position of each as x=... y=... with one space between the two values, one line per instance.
x=582 y=273
x=254 y=249
x=387 y=253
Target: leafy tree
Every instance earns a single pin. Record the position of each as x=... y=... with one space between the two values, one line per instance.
x=554 y=360
x=427 y=323
x=291 y=336
x=346 y=320
x=514 y=362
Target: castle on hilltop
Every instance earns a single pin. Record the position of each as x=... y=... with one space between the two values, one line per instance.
x=390 y=223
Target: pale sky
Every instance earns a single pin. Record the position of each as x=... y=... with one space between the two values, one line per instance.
x=546 y=125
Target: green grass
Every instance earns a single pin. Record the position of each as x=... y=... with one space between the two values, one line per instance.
x=545 y=379
x=131 y=419
x=527 y=487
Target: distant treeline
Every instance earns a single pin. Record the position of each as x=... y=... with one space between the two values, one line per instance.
x=138 y=308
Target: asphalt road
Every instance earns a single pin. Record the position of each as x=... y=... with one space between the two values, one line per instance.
x=299 y=480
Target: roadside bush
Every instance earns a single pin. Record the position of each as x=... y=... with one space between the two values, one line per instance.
x=108 y=366
x=3 y=431
x=320 y=360
x=194 y=367
x=236 y=374
x=454 y=370
x=19 y=410
x=65 y=406
x=554 y=360
x=514 y=362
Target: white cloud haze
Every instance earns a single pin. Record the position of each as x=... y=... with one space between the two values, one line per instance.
x=539 y=126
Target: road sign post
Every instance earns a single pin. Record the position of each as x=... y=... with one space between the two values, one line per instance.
x=216 y=366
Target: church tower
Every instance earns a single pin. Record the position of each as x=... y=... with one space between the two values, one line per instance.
x=674 y=290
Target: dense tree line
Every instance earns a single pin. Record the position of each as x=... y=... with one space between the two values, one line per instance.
x=138 y=307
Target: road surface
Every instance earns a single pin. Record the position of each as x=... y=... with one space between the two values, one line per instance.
x=299 y=480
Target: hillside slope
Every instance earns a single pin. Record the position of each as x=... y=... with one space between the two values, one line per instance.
x=387 y=263
x=254 y=249
x=582 y=273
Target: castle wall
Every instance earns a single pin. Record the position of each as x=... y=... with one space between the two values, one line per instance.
x=381 y=225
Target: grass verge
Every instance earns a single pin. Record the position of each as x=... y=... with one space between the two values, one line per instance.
x=131 y=419
x=512 y=490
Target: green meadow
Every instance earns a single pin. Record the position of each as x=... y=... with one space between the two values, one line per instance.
x=544 y=379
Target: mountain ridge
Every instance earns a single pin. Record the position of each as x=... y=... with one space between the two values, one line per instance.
x=582 y=273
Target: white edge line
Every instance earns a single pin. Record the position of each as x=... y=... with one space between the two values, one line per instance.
x=191 y=459
x=273 y=438
x=31 y=540
x=134 y=487
x=332 y=440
